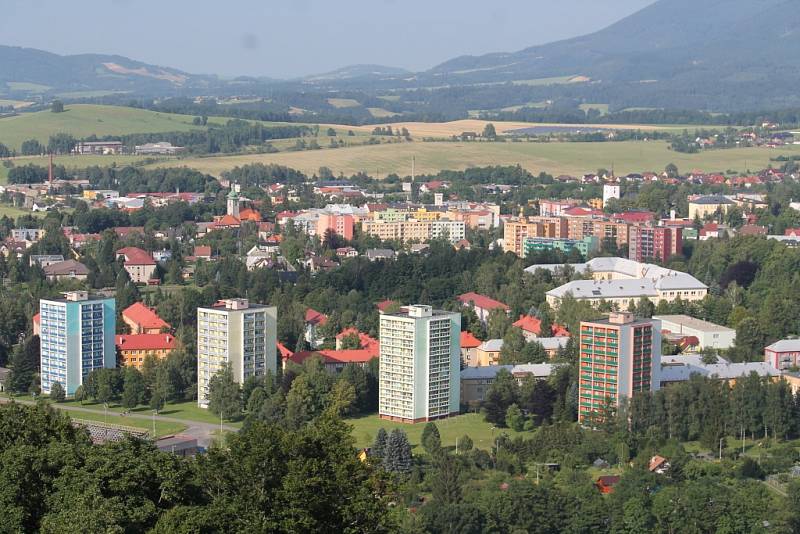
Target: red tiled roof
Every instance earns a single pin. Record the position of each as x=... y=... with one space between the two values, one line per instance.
x=37 y=318
x=468 y=341
x=283 y=351
x=227 y=220
x=202 y=251
x=136 y=256
x=143 y=316
x=335 y=356
x=482 y=301
x=367 y=342
x=123 y=231
x=634 y=216
x=656 y=462
x=534 y=325
x=145 y=341
x=578 y=211
x=248 y=214
x=316 y=318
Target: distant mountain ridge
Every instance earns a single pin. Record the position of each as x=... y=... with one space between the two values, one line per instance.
x=668 y=39
x=21 y=67
x=713 y=55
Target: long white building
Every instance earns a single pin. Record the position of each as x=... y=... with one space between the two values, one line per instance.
x=420 y=354
x=238 y=333
x=623 y=282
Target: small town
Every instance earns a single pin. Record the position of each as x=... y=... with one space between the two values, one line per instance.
x=487 y=297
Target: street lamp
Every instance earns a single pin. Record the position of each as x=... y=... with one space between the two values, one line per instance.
x=154 y=423
x=105 y=419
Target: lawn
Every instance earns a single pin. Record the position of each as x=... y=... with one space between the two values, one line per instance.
x=14 y=213
x=365 y=428
x=182 y=410
x=555 y=158
x=83 y=120
x=188 y=411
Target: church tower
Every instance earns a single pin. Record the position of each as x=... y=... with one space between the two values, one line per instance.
x=233 y=203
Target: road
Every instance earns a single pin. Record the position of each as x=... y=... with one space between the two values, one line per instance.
x=203 y=432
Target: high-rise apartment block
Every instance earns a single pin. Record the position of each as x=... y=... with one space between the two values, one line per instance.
x=619 y=356
x=77 y=337
x=659 y=243
x=420 y=364
x=238 y=333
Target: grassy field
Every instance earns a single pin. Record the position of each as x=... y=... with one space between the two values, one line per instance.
x=555 y=158
x=343 y=103
x=182 y=410
x=25 y=86
x=82 y=120
x=9 y=211
x=365 y=429
x=163 y=428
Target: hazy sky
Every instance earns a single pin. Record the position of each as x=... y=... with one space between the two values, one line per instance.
x=298 y=37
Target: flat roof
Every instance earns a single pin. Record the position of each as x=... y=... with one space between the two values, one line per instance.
x=607 y=322
x=690 y=322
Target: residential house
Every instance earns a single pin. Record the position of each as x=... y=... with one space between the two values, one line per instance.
x=141 y=319
x=134 y=348
x=469 y=349
x=532 y=328
x=375 y=254
x=365 y=341
x=680 y=368
x=783 y=354
x=488 y=353
x=139 y=264
x=27 y=234
x=45 y=260
x=70 y=269
x=482 y=305
x=313 y=321
x=709 y=335
x=476 y=381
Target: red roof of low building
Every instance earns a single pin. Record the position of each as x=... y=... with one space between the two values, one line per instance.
x=335 y=356
x=37 y=318
x=249 y=214
x=534 y=325
x=283 y=351
x=792 y=232
x=578 y=211
x=468 y=341
x=202 y=251
x=145 y=341
x=482 y=301
x=227 y=221
x=366 y=341
x=606 y=483
x=144 y=316
x=136 y=256
x=124 y=231
x=634 y=216
x=384 y=305
x=656 y=462
x=316 y=318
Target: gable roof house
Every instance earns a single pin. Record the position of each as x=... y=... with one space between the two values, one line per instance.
x=66 y=269
x=482 y=305
x=139 y=264
x=143 y=320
